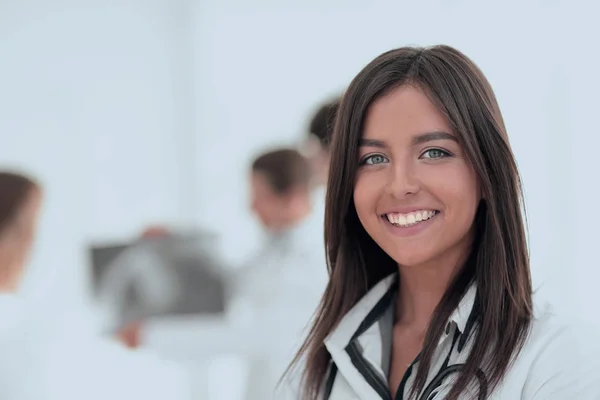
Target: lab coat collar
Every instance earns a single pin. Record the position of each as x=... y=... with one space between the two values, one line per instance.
x=367 y=330
x=378 y=299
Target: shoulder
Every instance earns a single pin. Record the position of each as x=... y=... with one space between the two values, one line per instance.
x=550 y=328
x=562 y=353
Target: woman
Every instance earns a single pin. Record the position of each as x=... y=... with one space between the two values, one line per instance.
x=19 y=205
x=430 y=291
x=42 y=362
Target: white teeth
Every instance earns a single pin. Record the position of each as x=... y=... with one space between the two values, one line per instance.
x=413 y=218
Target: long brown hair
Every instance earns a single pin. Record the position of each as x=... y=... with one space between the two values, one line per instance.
x=500 y=260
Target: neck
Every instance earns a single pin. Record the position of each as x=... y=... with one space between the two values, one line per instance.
x=421 y=287
x=293 y=219
x=419 y=294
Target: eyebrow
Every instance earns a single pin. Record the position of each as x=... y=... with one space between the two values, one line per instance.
x=372 y=143
x=436 y=135
x=424 y=138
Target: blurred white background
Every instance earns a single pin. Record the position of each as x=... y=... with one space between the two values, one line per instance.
x=138 y=112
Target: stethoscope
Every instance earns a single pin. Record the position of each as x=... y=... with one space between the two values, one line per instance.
x=431 y=390
x=448 y=370
x=445 y=371
x=453 y=369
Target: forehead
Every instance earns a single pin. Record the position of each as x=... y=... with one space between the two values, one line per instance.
x=260 y=184
x=405 y=111
x=259 y=179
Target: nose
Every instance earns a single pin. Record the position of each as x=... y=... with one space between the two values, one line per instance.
x=403 y=181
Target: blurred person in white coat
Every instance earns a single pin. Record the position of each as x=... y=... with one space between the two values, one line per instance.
x=20 y=199
x=316 y=148
x=279 y=289
x=40 y=362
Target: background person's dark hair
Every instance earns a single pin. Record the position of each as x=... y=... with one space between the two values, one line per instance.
x=284 y=169
x=321 y=124
x=15 y=189
x=499 y=262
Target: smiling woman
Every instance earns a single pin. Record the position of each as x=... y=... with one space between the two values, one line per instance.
x=430 y=291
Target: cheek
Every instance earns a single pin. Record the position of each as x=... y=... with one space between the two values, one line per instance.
x=258 y=206
x=461 y=195
x=366 y=195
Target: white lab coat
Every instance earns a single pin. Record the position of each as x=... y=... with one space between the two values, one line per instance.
x=20 y=348
x=274 y=299
x=41 y=362
x=559 y=360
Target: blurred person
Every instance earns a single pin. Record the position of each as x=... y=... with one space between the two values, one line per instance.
x=280 y=183
x=317 y=149
x=43 y=362
x=278 y=290
x=317 y=146
x=20 y=199
x=430 y=295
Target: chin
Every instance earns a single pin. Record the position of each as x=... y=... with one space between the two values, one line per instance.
x=410 y=257
x=411 y=261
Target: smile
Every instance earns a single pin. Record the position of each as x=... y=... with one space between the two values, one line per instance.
x=410 y=219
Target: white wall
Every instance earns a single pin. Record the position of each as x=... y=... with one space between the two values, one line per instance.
x=93 y=102
x=582 y=63
x=137 y=112
x=265 y=66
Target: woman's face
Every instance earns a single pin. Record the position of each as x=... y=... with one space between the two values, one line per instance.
x=415 y=194
x=16 y=242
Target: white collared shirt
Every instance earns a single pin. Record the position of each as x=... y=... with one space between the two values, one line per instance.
x=559 y=360
x=274 y=298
